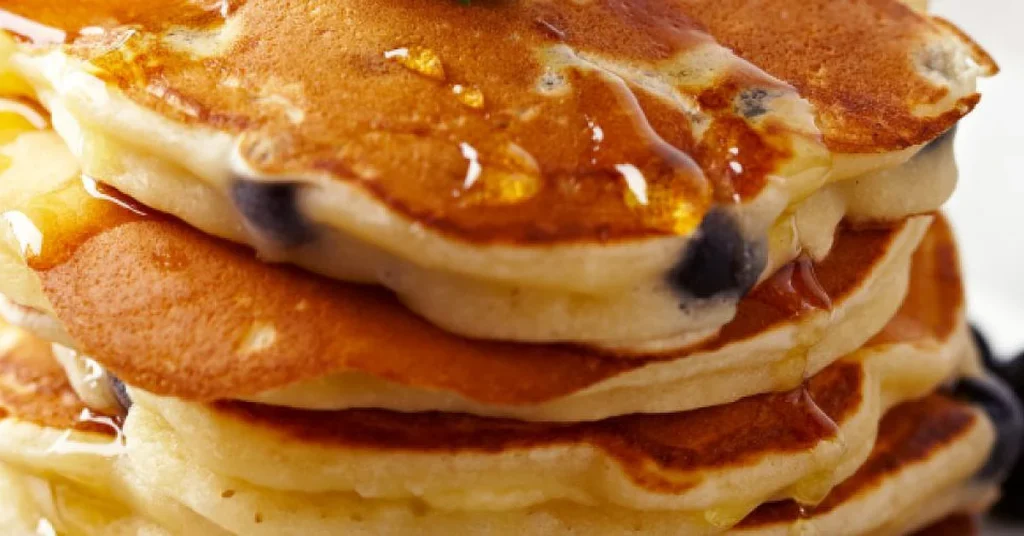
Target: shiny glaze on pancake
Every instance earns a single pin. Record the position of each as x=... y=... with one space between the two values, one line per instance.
x=329 y=90
x=34 y=388
x=171 y=310
x=167 y=309
x=909 y=433
x=400 y=98
x=645 y=445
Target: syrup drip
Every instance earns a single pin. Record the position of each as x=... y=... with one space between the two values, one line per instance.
x=66 y=445
x=795 y=289
x=813 y=489
x=427 y=63
x=61 y=221
x=660 y=183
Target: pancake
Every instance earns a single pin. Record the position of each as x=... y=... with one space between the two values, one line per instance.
x=559 y=182
x=928 y=448
x=173 y=311
x=97 y=486
x=798 y=443
x=917 y=434
x=57 y=456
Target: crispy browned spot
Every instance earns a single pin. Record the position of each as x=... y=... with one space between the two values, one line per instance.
x=165 y=308
x=909 y=433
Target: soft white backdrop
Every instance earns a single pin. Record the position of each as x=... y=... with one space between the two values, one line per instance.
x=988 y=208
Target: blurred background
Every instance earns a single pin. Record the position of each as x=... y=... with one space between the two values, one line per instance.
x=988 y=208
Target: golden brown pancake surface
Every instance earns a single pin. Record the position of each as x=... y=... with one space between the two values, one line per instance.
x=175 y=312
x=855 y=61
x=399 y=98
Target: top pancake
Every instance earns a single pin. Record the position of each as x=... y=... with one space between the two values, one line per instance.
x=529 y=122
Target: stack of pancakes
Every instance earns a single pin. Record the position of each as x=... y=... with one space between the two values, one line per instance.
x=381 y=267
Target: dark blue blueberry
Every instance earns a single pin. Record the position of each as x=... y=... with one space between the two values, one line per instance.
x=718 y=260
x=120 y=392
x=272 y=209
x=1004 y=409
x=752 y=103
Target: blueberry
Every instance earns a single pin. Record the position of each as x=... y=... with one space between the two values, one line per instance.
x=272 y=209
x=120 y=392
x=1004 y=409
x=752 y=103
x=718 y=260
x=984 y=349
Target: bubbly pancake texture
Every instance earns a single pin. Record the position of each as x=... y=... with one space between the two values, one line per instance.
x=173 y=311
x=549 y=176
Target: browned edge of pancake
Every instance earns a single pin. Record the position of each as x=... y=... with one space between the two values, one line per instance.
x=909 y=433
x=34 y=388
x=643 y=445
x=167 y=309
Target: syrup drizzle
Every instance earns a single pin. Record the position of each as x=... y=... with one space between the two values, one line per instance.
x=65 y=444
x=52 y=226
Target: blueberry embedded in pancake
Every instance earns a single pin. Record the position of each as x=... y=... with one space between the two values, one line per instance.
x=120 y=392
x=272 y=209
x=719 y=261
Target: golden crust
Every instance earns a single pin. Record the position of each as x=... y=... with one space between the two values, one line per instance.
x=398 y=99
x=178 y=313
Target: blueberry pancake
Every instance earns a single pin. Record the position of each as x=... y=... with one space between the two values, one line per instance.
x=497 y=267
